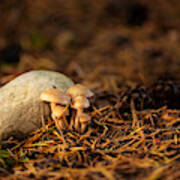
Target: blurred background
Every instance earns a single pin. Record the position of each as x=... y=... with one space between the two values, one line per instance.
x=91 y=41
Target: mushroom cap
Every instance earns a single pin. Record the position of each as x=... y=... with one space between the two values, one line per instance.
x=55 y=96
x=58 y=111
x=81 y=102
x=79 y=90
x=84 y=118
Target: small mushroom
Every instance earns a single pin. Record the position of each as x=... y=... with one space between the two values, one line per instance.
x=58 y=114
x=79 y=90
x=80 y=102
x=58 y=100
x=55 y=96
x=79 y=94
x=84 y=120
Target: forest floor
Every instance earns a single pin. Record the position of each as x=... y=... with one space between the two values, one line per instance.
x=131 y=64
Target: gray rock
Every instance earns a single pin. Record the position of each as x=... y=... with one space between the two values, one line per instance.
x=21 y=110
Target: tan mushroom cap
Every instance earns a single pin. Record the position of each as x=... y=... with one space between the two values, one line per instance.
x=84 y=118
x=79 y=90
x=58 y=111
x=55 y=96
x=81 y=102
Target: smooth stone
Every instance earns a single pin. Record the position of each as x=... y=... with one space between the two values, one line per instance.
x=21 y=110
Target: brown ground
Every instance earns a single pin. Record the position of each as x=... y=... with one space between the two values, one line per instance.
x=128 y=53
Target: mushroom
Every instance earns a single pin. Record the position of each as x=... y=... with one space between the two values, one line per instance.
x=84 y=120
x=58 y=100
x=80 y=103
x=79 y=94
x=58 y=114
x=79 y=90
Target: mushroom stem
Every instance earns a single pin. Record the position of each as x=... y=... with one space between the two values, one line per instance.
x=83 y=127
x=53 y=105
x=60 y=124
x=77 y=119
x=72 y=121
x=84 y=121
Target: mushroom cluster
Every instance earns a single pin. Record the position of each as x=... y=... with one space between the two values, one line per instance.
x=74 y=99
x=58 y=101
x=80 y=95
